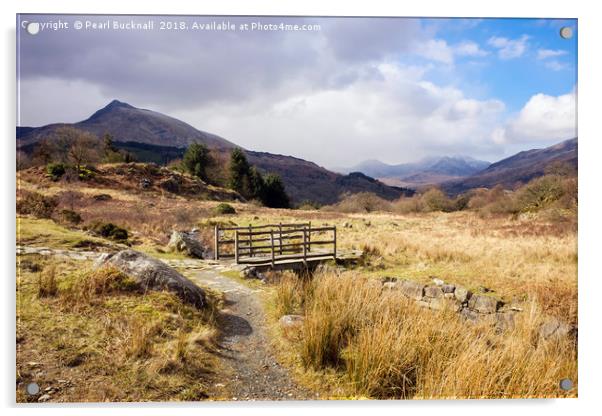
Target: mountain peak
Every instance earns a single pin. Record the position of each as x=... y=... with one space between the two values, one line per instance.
x=117 y=103
x=112 y=106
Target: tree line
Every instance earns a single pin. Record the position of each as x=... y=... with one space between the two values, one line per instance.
x=242 y=177
x=71 y=150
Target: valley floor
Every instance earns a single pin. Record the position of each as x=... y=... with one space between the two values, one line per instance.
x=127 y=347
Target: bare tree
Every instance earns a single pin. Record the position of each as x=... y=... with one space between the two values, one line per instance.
x=76 y=146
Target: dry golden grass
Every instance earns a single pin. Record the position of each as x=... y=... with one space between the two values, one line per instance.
x=384 y=346
x=364 y=343
x=109 y=341
x=524 y=258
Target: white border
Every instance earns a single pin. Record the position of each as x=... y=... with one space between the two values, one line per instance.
x=590 y=152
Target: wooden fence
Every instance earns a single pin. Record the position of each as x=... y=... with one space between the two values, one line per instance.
x=275 y=242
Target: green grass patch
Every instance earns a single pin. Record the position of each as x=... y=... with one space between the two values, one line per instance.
x=47 y=233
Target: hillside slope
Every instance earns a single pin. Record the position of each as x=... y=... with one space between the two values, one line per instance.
x=155 y=137
x=517 y=169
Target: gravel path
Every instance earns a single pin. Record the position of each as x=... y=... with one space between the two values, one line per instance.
x=252 y=371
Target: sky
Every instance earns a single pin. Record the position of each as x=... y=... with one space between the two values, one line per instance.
x=348 y=90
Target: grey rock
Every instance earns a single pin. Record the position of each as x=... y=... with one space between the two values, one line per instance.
x=449 y=296
x=44 y=398
x=437 y=304
x=145 y=183
x=553 y=328
x=447 y=288
x=504 y=321
x=469 y=315
x=291 y=321
x=183 y=242
x=484 y=304
x=390 y=286
x=412 y=290
x=462 y=294
x=152 y=274
x=433 y=292
x=438 y=281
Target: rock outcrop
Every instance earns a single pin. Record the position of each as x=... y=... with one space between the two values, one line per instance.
x=186 y=242
x=153 y=274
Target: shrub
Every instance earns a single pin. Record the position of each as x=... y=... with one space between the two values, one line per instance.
x=109 y=230
x=47 y=285
x=435 y=200
x=540 y=193
x=56 y=170
x=307 y=205
x=36 y=204
x=405 y=205
x=71 y=217
x=85 y=172
x=225 y=209
x=362 y=202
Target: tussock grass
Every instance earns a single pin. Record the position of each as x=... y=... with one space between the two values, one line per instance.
x=384 y=346
x=47 y=282
x=111 y=341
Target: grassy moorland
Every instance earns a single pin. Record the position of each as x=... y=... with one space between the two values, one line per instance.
x=354 y=342
x=91 y=336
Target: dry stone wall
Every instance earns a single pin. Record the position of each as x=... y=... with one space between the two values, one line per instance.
x=473 y=307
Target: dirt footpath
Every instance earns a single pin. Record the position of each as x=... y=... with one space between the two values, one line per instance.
x=252 y=372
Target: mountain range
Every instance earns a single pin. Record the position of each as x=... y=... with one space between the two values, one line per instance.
x=428 y=171
x=156 y=137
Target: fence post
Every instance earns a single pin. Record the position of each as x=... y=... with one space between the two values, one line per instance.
x=304 y=244
x=236 y=247
x=334 y=253
x=250 y=241
x=216 y=243
x=272 y=241
x=309 y=238
x=280 y=237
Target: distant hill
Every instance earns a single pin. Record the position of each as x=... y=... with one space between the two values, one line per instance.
x=130 y=124
x=155 y=137
x=427 y=171
x=517 y=169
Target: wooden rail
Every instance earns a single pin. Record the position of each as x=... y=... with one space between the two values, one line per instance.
x=275 y=242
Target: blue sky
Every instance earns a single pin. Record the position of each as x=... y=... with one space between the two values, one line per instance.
x=393 y=89
x=513 y=80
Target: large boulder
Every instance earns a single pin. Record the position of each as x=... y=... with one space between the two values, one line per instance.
x=183 y=242
x=153 y=274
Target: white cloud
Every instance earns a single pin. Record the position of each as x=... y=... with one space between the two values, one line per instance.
x=556 y=65
x=509 y=48
x=543 y=118
x=395 y=118
x=550 y=53
x=436 y=50
x=440 y=51
x=469 y=48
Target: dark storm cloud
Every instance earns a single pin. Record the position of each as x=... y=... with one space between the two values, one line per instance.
x=177 y=69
